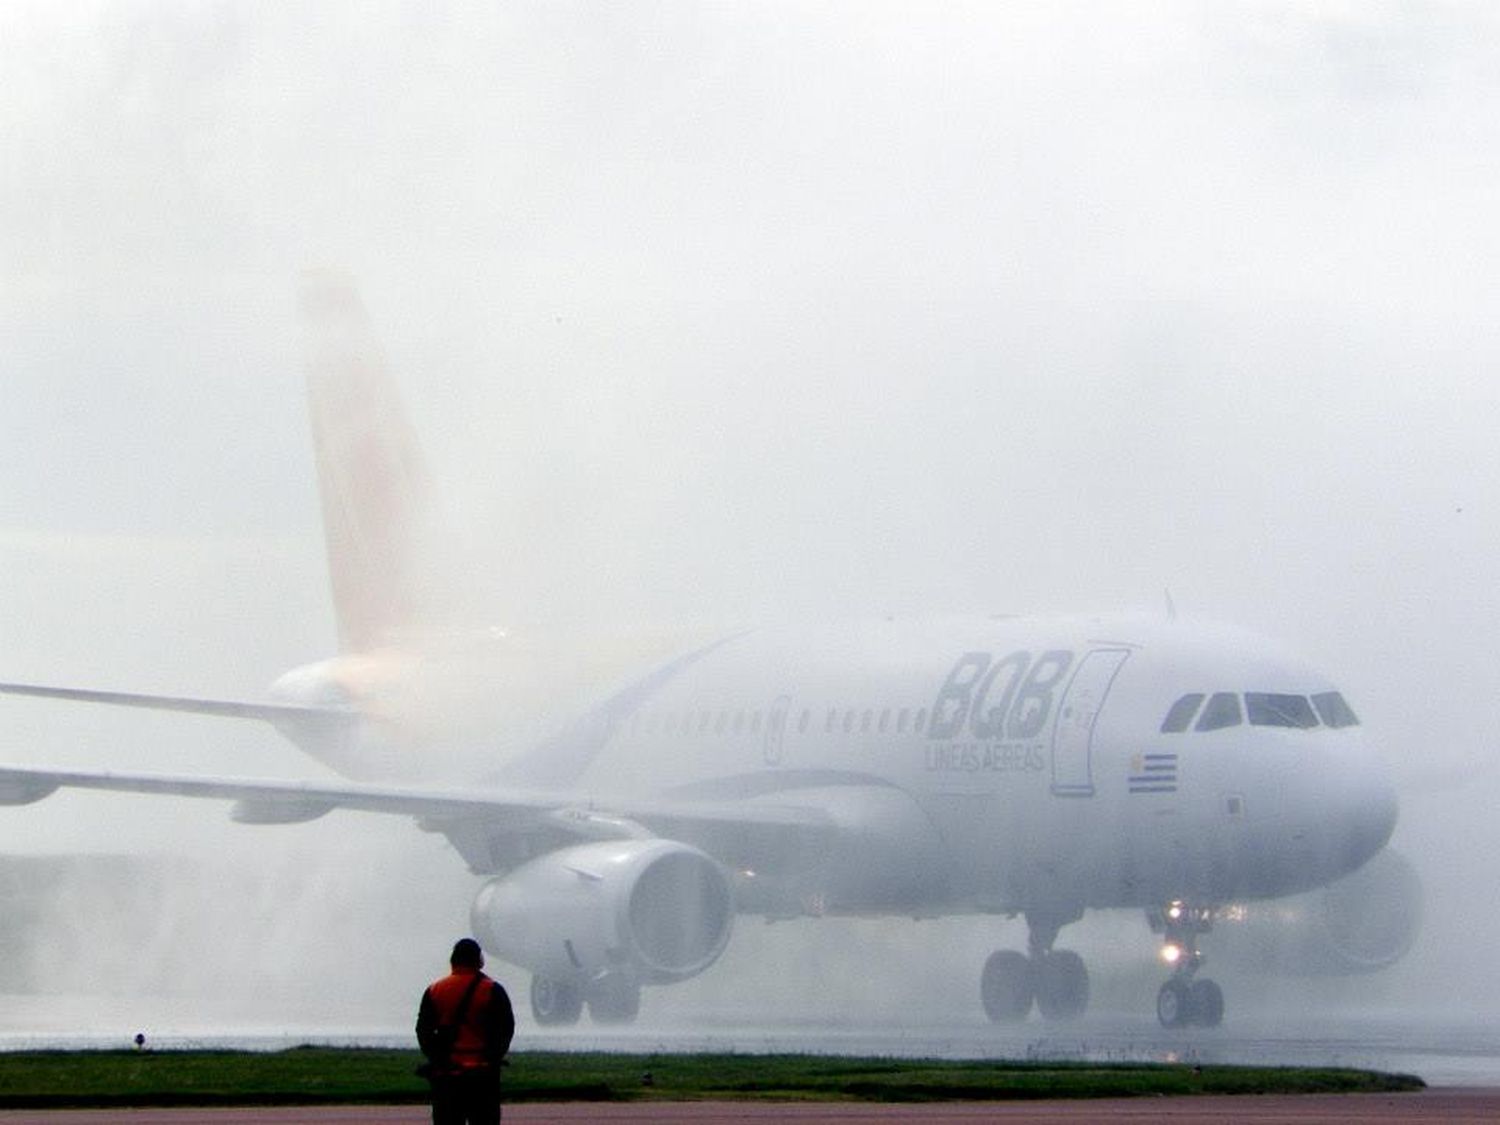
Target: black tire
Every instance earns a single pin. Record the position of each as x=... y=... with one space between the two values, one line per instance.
x=614 y=1000
x=1062 y=985
x=1007 y=986
x=1208 y=1003
x=1174 y=1004
x=553 y=1003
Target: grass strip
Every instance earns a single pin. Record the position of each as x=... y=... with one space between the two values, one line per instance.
x=321 y=1075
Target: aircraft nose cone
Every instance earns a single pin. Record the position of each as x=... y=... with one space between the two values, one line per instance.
x=1369 y=822
x=1379 y=819
x=1345 y=820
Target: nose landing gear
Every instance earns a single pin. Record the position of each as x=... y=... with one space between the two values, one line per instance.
x=1182 y=1000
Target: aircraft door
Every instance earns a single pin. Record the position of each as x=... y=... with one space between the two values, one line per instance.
x=1072 y=738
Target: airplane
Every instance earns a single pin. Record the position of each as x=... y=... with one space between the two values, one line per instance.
x=627 y=801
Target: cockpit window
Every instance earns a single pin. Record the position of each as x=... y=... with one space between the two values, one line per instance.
x=1334 y=711
x=1181 y=715
x=1223 y=710
x=1262 y=708
x=1270 y=709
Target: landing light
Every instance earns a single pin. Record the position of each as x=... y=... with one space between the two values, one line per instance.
x=1171 y=953
x=1174 y=911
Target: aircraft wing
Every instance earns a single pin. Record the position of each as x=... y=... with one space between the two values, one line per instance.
x=284 y=802
x=741 y=832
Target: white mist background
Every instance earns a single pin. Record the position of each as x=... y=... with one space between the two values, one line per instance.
x=745 y=313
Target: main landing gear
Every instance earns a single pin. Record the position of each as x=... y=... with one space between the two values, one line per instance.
x=612 y=999
x=1055 y=980
x=1183 y=1001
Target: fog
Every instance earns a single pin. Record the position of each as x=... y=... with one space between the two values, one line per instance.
x=741 y=313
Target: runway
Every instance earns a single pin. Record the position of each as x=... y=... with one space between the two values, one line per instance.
x=1448 y=1105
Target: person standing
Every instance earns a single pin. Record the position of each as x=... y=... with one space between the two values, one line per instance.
x=464 y=1027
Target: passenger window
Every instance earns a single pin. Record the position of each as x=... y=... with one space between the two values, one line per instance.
x=803 y=721
x=921 y=720
x=1270 y=709
x=755 y=722
x=885 y=720
x=739 y=721
x=1223 y=710
x=721 y=722
x=1180 y=717
x=864 y=722
x=901 y=717
x=848 y=722
x=1334 y=711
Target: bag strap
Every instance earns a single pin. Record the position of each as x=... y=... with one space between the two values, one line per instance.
x=463 y=1005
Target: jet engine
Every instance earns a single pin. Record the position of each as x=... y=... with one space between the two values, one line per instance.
x=653 y=911
x=1362 y=923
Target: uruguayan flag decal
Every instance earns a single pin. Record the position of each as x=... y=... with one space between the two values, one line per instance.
x=1153 y=773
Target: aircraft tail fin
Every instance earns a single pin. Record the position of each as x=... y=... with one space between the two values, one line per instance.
x=372 y=480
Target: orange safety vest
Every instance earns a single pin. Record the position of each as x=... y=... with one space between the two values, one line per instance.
x=470 y=1048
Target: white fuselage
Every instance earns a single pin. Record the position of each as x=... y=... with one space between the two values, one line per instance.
x=994 y=764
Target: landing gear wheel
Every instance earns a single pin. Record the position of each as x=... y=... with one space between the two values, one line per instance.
x=1007 y=986
x=554 y=1003
x=1174 y=1003
x=1062 y=985
x=1207 y=1002
x=614 y=1000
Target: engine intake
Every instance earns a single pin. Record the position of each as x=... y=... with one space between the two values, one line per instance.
x=658 y=910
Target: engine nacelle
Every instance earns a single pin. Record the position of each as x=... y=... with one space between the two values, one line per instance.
x=1362 y=923
x=656 y=910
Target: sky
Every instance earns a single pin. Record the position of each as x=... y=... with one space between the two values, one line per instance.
x=762 y=312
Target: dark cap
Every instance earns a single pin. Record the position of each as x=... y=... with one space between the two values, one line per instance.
x=466 y=953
